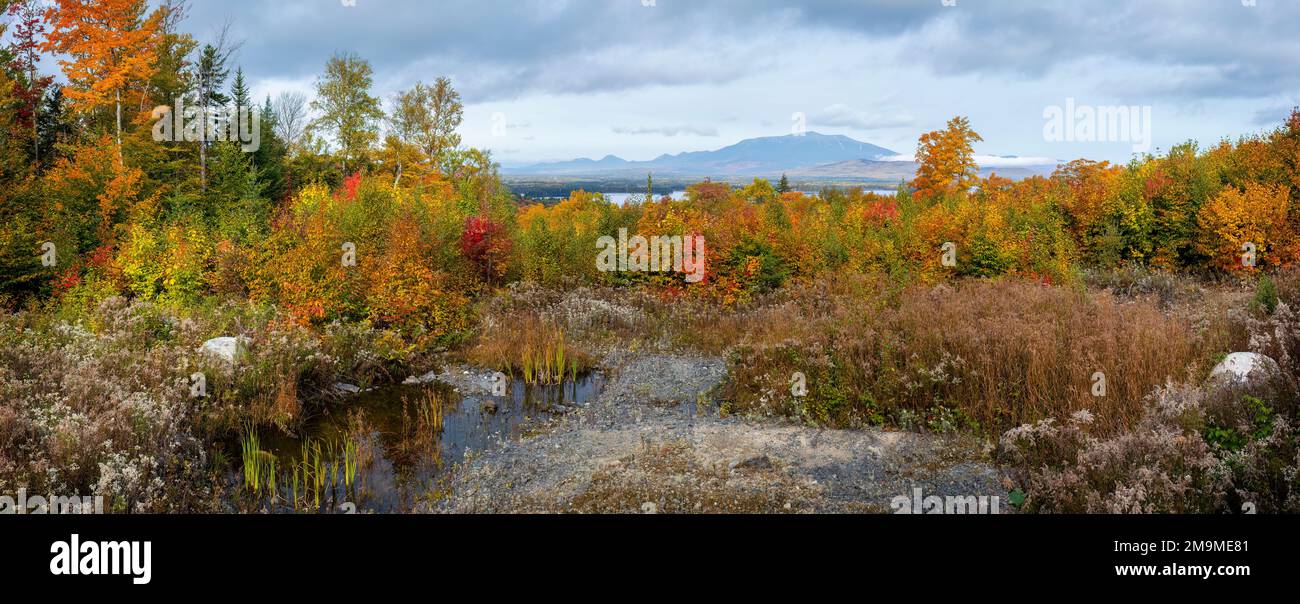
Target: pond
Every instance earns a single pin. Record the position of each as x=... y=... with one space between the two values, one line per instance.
x=385 y=450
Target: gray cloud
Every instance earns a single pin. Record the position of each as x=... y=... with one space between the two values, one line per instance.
x=667 y=130
x=690 y=62
x=844 y=116
x=1275 y=115
x=511 y=48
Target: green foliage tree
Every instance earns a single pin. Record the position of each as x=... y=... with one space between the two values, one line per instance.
x=349 y=114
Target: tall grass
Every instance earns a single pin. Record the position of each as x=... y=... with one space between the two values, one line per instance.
x=421 y=430
x=529 y=347
x=325 y=471
x=981 y=355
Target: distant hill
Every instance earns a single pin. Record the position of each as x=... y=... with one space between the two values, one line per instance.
x=766 y=156
x=812 y=157
x=894 y=171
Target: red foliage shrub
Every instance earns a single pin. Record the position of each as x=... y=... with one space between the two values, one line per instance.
x=486 y=245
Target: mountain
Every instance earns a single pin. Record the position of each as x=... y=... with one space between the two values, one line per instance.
x=766 y=156
x=894 y=171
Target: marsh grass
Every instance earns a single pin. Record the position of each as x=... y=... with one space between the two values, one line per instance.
x=419 y=434
x=532 y=348
x=324 y=472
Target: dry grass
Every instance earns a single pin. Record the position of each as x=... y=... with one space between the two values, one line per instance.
x=531 y=348
x=983 y=355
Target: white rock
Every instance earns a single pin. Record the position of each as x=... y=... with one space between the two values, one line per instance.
x=226 y=348
x=1244 y=369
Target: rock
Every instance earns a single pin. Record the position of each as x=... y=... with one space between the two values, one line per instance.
x=761 y=462
x=423 y=379
x=229 y=349
x=346 y=388
x=1245 y=369
x=650 y=507
x=490 y=406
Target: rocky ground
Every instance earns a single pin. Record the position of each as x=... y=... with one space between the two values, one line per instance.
x=652 y=441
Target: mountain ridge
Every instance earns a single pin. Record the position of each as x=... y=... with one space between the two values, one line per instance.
x=753 y=156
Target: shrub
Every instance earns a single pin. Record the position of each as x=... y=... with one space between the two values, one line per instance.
x=1162 y=465
x=1266 y=295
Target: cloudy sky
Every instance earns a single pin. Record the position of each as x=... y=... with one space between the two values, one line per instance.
x=637 y=78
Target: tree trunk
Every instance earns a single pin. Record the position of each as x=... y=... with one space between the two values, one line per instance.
x=203 y=149
x=36 y=117
x=203 y=135
x=118 y=98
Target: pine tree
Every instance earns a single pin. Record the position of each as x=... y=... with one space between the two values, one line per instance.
x=209 y=77
x=783 y=187
x=270 y=156
x=52 y=126
x=239 y=91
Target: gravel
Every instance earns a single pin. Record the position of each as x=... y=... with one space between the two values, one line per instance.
x=654 y=441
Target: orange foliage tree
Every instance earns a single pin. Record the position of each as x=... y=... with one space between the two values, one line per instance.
x=110 y=46
x=92 y=194
x=946 y=159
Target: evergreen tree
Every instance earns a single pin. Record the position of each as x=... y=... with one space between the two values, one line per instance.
x=53 y=127
x=210 y=74
x=783 y=187
x=270 y=156
x=239 y=91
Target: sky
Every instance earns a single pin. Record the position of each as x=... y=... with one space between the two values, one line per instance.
x=550 y=80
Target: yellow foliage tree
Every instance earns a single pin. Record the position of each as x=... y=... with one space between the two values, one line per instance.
x=1236 y=222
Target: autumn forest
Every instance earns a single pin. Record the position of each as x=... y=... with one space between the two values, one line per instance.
x=308 y=319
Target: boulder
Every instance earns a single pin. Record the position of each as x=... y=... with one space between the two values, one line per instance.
x=228 y=349
x=1245 y=370
x=346 y=388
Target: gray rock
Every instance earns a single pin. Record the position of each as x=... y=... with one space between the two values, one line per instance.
x=432 y=376
x=346 y=388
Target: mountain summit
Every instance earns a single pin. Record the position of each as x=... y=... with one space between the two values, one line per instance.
x=765 y=156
